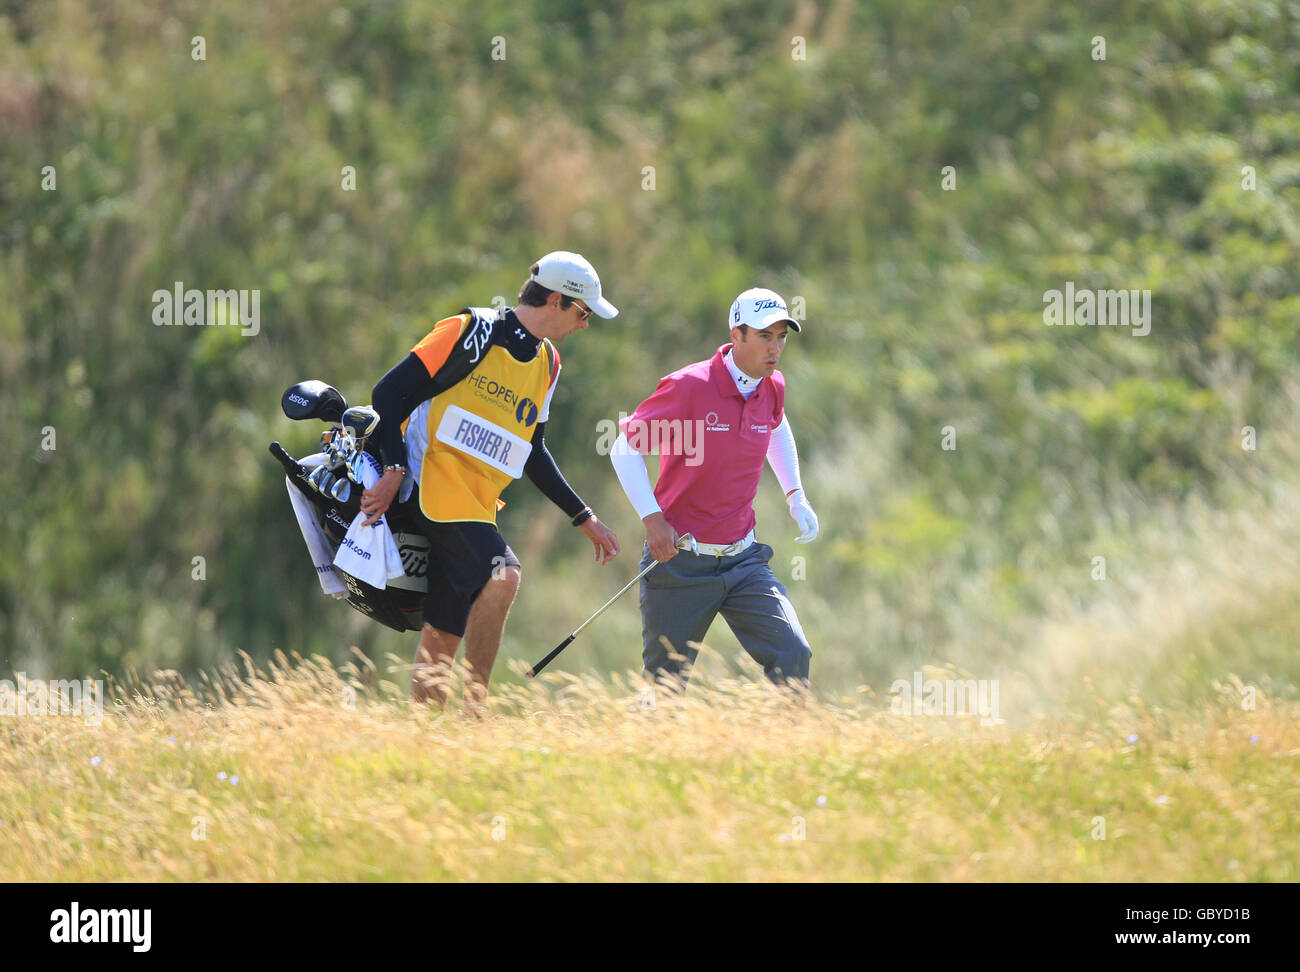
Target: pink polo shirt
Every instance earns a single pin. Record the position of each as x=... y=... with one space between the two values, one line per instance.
x=712 y=445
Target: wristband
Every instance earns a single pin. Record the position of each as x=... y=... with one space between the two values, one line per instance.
x=583 y=516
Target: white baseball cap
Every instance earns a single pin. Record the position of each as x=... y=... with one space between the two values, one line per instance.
x=571 y=274
x=760 y=308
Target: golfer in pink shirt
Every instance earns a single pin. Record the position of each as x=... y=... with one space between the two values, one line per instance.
x=714 y=423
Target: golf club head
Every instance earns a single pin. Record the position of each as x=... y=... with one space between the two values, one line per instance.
x=341 y=490
x=339 y=450
x=361 y=421
x=357 y=468
x=317 y=476
x=313 y=399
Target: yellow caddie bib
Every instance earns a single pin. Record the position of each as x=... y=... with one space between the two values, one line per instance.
x=480 y=433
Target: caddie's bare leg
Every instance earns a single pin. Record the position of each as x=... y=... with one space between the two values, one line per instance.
x=483 y=631
x=431 y=673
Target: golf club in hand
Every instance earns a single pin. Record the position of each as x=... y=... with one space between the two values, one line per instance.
x=686 y=540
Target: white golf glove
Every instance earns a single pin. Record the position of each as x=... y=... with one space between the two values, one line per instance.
x=803 y=515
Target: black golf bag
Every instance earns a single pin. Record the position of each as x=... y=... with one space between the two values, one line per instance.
x=333 y=487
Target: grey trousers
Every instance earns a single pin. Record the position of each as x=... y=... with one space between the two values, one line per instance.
x=680 y=599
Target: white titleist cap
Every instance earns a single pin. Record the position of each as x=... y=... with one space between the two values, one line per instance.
x=570 y=274
x=760 y=309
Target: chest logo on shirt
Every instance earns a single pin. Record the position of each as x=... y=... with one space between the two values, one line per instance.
x=499 y=393
x=477 y=339
x=713 y=424
x=526 y=413
x=760 y=428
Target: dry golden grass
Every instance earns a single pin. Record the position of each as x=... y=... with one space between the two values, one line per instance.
x=579 y=779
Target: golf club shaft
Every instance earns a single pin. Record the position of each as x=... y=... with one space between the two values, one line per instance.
x=532 y=672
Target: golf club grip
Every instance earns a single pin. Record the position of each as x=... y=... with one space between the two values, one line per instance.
x=291 y=465
x=533 y=672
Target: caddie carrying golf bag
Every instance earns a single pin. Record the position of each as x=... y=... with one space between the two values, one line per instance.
x=332 y=482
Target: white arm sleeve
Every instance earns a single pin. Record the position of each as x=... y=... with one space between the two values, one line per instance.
x=635 y=479
x=783 y=457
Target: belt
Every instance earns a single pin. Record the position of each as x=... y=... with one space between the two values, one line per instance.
x=725 y=549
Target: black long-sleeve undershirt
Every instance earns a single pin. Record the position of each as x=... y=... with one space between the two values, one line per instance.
x=408 y=383
x=395 y=397
x=546 y=476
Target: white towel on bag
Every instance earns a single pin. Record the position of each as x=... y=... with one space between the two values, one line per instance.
x=369 y=553
x=319 y=544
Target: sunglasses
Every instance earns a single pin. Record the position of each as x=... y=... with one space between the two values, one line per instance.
x=583 y=312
